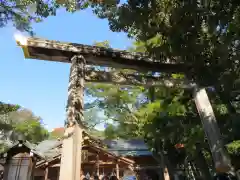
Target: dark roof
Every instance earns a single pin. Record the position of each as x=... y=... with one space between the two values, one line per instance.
x=133 y=147
x=28 y=145
x=48 y=148
x=48 y=144
x=133 y=144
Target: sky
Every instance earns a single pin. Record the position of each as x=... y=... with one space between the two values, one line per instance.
x=41 y=86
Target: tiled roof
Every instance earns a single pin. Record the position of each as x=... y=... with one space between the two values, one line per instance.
x=133 y=147
x=48 y=144
x=47 y=147
x=58 y=130
x=27 y=144
x=133 y=144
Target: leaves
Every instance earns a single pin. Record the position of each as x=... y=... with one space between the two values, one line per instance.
x=7 y=108
x=109 y=132
x=22 y=13
x=32 y=130
x=16 y=122
x=92 y=118
x=234 y=148
x=135 y=116
x=204 y=36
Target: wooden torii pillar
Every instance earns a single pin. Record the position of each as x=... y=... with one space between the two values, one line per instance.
x=67 y=52
x=71 y=151
x=220 y=156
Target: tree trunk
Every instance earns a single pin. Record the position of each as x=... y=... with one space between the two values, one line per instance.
x=169 y=167
x=167 y=171
x=202 y=164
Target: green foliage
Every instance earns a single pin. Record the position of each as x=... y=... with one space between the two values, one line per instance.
x=16 y=122
x=7 y=108
x=32 y=129
x=56 y=133
x=92 y=118
x=97 y=133
x=22 y=13
x=204 y=35
x=138 y=46
x=172 y=120
x=163 y=117
x=234 y=148
x=109 y=132
x=105 y=44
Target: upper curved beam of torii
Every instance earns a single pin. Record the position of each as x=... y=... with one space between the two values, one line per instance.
x=35 y=48
x=58 y=51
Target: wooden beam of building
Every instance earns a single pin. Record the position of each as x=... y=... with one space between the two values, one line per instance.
x=89 y=163
x=35 y=48
x=101 y=162
x=133 y=79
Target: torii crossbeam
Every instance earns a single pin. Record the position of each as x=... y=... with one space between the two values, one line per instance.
x=79 y=55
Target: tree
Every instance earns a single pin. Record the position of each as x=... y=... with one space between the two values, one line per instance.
x=110 y=132
x=5 y=109
x=164 y=118
x=5 y=127
x=204 y=35
x=92 y=118
x=22 y=13
x=30 y=127
x=22 y=122
x=105 y=44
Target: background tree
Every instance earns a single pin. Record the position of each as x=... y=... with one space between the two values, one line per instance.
x=5 y=127
x=165 y=117
x=5 y=109
x=22 y=13
x=111 y=132
x=202 y=35
x=26 y=124
x=20 y=123
x=93 y=117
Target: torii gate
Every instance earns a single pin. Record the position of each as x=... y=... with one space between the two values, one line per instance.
x=79 y=55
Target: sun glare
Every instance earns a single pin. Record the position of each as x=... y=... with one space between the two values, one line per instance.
x=21 y=40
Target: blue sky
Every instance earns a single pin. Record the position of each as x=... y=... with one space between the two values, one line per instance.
x=41 y=86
